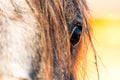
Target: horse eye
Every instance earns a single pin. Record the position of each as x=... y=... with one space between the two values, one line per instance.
x=75 y=35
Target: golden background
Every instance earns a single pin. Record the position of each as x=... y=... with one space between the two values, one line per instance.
x=106 y=27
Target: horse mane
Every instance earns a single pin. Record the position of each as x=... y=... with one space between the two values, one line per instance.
x=51 y=20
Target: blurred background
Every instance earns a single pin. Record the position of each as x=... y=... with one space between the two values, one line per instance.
x=106 y=27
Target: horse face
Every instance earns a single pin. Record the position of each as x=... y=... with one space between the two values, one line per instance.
x=39 y=39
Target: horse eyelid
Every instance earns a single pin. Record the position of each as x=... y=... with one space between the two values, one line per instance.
x=79 y=25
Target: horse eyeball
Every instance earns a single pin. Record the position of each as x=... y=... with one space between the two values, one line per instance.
x=75 y=35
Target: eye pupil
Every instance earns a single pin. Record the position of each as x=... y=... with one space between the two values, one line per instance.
x=75 y=36
x=77 y=31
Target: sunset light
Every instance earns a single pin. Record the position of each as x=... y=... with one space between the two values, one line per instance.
x=106 y=28
x=107 y=32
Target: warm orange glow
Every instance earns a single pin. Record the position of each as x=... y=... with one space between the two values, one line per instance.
x=107 y=35
x=107 y=30
x=106 y=27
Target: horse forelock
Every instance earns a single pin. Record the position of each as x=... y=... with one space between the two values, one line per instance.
x=50 y=19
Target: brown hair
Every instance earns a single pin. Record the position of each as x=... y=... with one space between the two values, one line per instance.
x=51 y=42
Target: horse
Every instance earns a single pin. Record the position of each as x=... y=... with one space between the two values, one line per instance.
x=43 y=39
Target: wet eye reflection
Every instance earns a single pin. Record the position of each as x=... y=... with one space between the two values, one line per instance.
x=75 y=35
